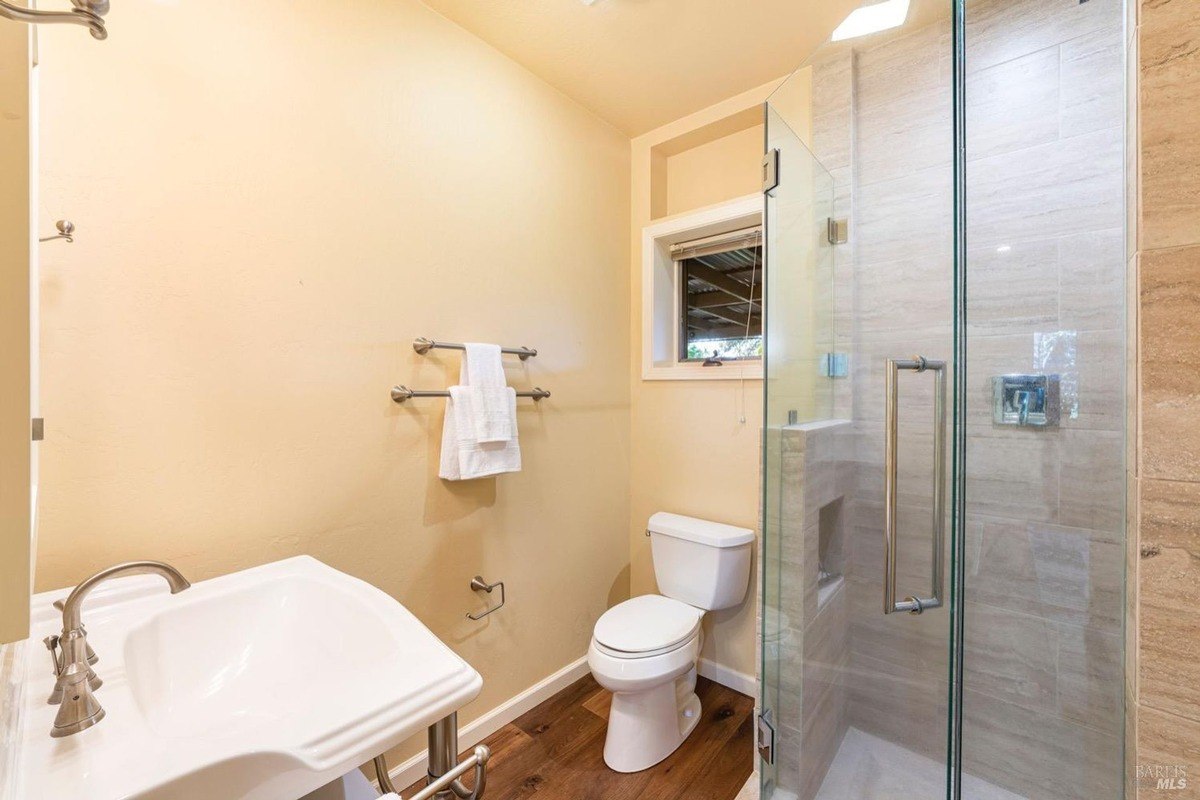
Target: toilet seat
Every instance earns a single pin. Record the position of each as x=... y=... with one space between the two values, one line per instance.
x=662 y=651
x=648 y=661
x=646 y=626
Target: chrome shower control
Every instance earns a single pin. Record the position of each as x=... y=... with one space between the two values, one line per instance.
x=1026 y=400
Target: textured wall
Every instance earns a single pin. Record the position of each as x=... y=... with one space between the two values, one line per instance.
x=273 y=199
x=807 y=636
x=715 y=172
x=1164 y=50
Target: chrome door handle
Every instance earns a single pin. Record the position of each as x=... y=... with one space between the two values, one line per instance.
x=913 y=604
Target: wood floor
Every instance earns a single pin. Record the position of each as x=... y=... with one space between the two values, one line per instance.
x=556 y=752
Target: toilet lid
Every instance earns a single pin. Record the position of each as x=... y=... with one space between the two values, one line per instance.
x=646 y=623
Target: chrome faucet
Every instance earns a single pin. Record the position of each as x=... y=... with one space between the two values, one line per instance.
x=77 y=681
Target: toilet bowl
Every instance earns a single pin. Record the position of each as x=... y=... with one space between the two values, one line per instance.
x=645 y=650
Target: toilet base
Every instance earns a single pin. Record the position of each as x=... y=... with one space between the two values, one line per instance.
x=645 y=727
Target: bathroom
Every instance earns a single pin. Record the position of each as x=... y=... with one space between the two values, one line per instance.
x=855 y=351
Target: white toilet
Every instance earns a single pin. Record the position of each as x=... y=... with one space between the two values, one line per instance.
x=645 y=650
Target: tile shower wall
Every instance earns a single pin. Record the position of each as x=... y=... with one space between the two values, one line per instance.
x=1164 y=51
x=1046 y=294
x=810 y=640
x=1045 y=546
x=894 y=301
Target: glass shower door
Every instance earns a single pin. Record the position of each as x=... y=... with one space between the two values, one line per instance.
x=995 y=510
x=1044 y=512
x=800 y=284
x=860 y=343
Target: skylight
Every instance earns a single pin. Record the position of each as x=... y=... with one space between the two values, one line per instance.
x=872 y=19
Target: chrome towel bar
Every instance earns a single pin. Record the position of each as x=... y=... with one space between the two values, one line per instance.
x=423 y=346
x=403 y=393
x=476 y=762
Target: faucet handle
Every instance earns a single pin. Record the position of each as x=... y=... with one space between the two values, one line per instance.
x=51 y=643
x=79 y=710
x=71 y=644
x=92 y=658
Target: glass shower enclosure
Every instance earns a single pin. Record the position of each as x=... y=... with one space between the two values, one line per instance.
x=944 y=504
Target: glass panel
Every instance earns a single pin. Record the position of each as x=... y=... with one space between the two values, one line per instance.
x=1045 y=501
x=799 y=329
x=860 y=698
x=799 y=281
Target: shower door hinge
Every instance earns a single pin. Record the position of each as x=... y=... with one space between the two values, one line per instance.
x=770 y=170
x=39 y=429
x=838 y=230
x=766 y=737
x=835 y=365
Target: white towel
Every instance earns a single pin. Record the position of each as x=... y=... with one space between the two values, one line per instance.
x=463 y=456
x=483 y=372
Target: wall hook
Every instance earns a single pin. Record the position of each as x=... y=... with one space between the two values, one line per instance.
x=478 y=584
x=66 y=230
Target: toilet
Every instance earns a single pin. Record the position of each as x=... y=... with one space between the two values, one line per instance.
x=645 y=650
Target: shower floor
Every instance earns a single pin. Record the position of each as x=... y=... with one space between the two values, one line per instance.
x=869 y=768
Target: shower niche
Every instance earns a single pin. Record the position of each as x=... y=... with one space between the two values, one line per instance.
x=831 y=552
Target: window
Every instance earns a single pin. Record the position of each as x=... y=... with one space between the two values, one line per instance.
x=702 y=293
x=720 y=297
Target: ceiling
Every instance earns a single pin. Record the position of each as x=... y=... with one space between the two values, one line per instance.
x=642 y=63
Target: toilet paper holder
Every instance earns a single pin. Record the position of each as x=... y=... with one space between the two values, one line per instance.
x=478 y=584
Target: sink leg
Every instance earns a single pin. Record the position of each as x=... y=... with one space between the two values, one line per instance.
x=443 y=750
x=444 y=768
x=381 y=772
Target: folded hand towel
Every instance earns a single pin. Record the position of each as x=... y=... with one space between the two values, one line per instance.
x=463 y=456
x=483 y=372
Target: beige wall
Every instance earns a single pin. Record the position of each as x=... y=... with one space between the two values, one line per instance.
x=696 y=442
x=1164 y=50
x=15 y=244
x=273 y=199
x=715 y=171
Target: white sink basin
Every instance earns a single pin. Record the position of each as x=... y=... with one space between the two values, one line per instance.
x=265 y=685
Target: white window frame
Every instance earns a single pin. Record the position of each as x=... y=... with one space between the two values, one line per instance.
x=661 y=290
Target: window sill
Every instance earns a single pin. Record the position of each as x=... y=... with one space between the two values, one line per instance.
x=732 y=371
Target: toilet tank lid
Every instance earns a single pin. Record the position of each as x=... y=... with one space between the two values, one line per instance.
x=713 y=534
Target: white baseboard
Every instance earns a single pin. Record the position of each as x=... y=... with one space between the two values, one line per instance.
x=484 y=726
x=738 y=681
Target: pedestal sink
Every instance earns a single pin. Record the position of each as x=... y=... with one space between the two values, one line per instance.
x=263 y=685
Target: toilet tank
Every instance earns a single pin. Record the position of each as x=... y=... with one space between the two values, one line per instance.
x=701 y=563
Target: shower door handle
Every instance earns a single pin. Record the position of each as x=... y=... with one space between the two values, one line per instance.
x=913 y=604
